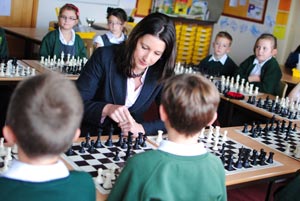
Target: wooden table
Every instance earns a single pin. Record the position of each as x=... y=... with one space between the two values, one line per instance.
x=287 y=76
x=34 y=36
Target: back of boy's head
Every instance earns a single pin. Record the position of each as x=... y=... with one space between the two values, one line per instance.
x=224 y=34
x=266 y=36
x=44 y=113
x=117 y=12
x=190 y=102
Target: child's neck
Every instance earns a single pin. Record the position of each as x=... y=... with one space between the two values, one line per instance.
x=67 y=34
x=45 y=160
x=180 y=138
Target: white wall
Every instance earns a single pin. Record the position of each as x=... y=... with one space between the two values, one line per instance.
x=244 y=33
x=46 y=10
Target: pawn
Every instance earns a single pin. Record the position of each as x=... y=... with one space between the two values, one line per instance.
x=270 y=158
x=107 y=182
x=245 y=129
x=136 y=145
x=99 y=178
x=224 y=138
x=144 y=144
x=70 y=151
x=124 y=144
x=112 y=173
x=117 y=158
x=82 y=150
x=92 y=147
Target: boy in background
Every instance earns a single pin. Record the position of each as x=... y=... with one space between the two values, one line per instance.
x=262 y=69
x=43 y=118
x=181 y=168
x=219 y=63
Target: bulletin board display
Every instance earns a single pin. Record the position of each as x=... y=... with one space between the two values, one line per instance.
x=104 y=2
x=251 y=10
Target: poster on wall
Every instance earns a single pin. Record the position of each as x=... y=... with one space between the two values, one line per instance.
x=5 y=6
x=251 y=10
x=104 y=2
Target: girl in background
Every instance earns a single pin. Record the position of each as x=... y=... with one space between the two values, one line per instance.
x=116 y=21
x=64 y=39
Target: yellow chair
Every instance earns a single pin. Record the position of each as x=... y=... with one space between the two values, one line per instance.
x=282 y=89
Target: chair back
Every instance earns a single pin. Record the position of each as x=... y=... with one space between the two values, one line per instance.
x=282 y=89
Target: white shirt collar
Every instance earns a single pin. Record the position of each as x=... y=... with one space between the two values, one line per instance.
x=36 y=173
x=62 y=39
x=222 y=60
x=115 y=40
x=182 y=149
x=255 y=61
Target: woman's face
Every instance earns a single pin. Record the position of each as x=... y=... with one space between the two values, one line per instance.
x=148 y=51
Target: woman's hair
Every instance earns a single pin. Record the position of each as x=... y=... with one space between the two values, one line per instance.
x=69 y=6
x=158 y=25
x=117 y=12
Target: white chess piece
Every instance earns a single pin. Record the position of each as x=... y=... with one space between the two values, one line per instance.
x=8 y=154
x=210 y=132
x=112 y=172
x=5 y=166
x=159 y=137
x=297 y=151
x=201 y=136
x=224 y=138
x=107 y=183
x=2 y=148
x=99 y=178
x=287 y=149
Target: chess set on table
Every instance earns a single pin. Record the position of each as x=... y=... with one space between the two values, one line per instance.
x=276 y=135
x=283 y=107
x=15 y=68
x=101 y=162
x=66 y=65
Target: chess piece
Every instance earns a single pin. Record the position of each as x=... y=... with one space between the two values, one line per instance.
x=224 y=138
x=2 y=148
x=270 y=158
x=117 y=158
x=82 y=150
x=107 y=182
x=159 y=137
x=99 y=178
x=92 y=147
x=109 y=142
x=98 y=143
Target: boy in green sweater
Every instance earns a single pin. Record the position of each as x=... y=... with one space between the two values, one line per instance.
x=261 y=69
x=43 y=119
x=181 y=168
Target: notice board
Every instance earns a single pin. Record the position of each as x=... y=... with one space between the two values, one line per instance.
x=251 y=10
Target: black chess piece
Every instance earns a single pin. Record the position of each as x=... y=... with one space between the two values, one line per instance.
x=82 y=150
x=270 y=158
x=245 y=129
x=144 y=144
x=124 y=144
x=116 y=158
x=128 y=152
x=129 y=137
x=136 y=145
x=229 y=165
x=87 y=140
x=92 y=147
x=98 y=143
x=120 y=141
x=238 y=163
x=140 y=138
x=295 y=128
x=70 y=151
x=109 y=142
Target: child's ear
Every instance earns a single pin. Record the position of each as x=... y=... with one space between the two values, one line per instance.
x=9 y=135
x=213 y=119
x=77 y=134
x=274 y=52
x=162 y=112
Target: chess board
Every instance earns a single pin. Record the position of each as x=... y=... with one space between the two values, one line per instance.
x=67 y=66
x=15 y=68
x=287 y=110
x=101 y=158
x=276 y=137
